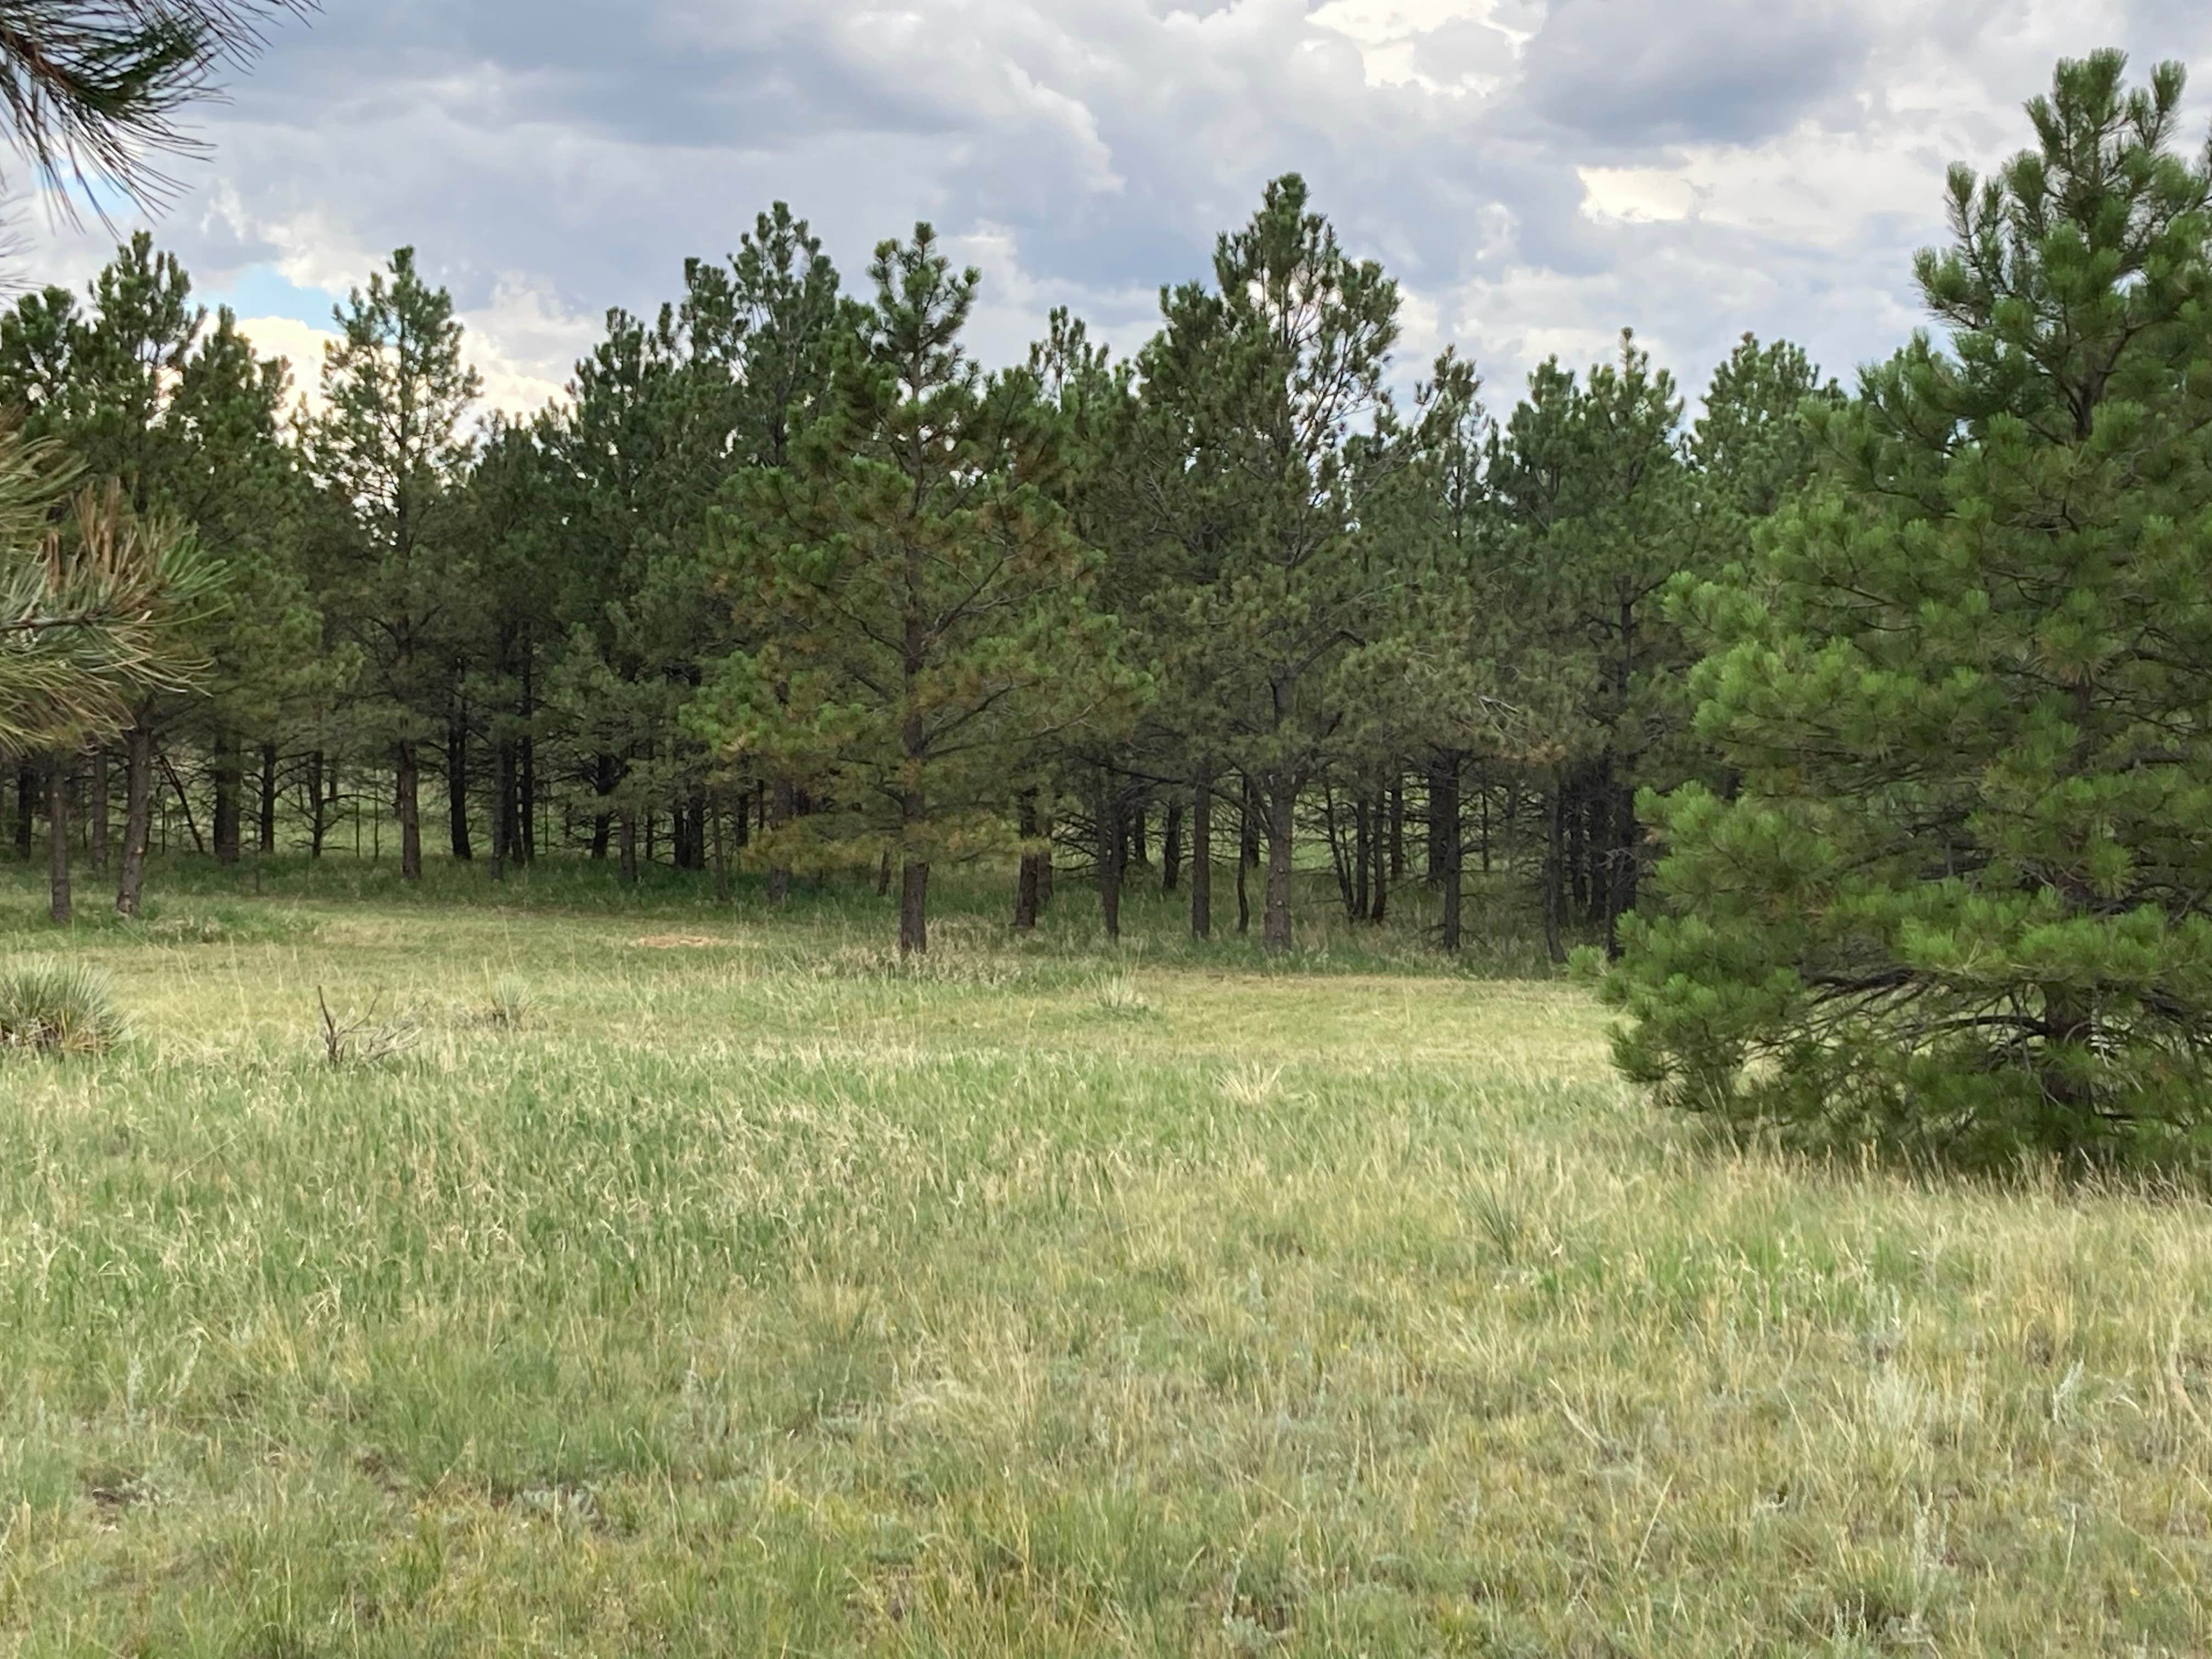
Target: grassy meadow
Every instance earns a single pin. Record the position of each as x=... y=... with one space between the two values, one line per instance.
x=698 y=1280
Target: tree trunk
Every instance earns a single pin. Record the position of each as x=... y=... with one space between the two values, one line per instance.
x=605 y=776
x=57 y=837
x=1044 y=863
x=502 y=808
x=1171 y=847
x=1444 y=811
x=525 y=840
x=317 y=821
x=1244 y=841
x=1389 y=853
x=229 y=785
x=722 y=855
x=97 y=824
x=1363 y=856
x=1435 y=871
x=1282 y=806
x=266 y=838
x=883 y=875
x=782 y=806
x=137 y=815
x=1140 y=852
x=408 y=796
x=1025 y=884
x=457 y=782
x=1112 y=849
x=628 y=847
x=1397 y=827
x=1201 y=855
x=1248 y=830
x=913 y=907
x=184 y=805
x=1628 y=869
x=1555 y=894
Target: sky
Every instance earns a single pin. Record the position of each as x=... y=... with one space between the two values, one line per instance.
x=1537 y=174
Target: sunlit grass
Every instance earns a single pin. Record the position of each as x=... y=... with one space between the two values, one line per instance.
x=746 y=1290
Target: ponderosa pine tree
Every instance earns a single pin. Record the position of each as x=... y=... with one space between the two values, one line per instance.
x=391 y=450
x=1959 y=899
x=1269 y=377
x=930 y=597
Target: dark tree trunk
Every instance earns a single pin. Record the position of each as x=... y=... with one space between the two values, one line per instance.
x=1044 y=863
x=408 y=796
x=137 y=815
x=606 y=773
x=525 y=784
x=266 y=840
x=57 y=837
x=1362 y=847
x=1112 y=849
x=1171 y=847
x=1388 y=855
x=1555 y=848
x=1397 y=829
x=883 y=875
x=629 y=873
x=721 y=853
x=184 y=806
x=1435 y=870
x=1201 y=855
x=97 y=823
x=1627 y=835
x=782 y=806
x=1444 y=810
x=502 y=808
x=1482 y=785
x=1248 y=832
x=1340 y=862
x=1576 y=808
x=229 y=785
x=1139 y=853
x=457 y=782
x=1282 y=809
x=317 y=821
x=1245 y=833
x=1025 y=884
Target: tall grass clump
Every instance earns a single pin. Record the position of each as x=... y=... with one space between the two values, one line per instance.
x=57 y=1008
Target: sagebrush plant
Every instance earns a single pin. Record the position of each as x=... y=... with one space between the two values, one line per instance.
x=57 y=1008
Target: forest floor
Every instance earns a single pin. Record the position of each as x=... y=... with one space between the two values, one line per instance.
x=703 y=1282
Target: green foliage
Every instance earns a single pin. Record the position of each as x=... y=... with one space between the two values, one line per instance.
x=925 y=600
x=57 y=1008
x=1953 y=894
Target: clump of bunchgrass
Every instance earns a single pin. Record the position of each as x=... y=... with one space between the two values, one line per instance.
x=57 y=1008
x=1119 y=997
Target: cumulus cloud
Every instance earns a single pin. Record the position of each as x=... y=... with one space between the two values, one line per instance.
x=1538 y=172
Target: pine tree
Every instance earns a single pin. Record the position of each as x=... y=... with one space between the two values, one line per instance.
x=391 y=450
x=929 y=593
x=1263 y=383
x=1959 y=896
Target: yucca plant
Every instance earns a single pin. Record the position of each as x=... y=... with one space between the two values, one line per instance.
x=57 y=1008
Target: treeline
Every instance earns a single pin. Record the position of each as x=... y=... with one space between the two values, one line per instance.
x=789 y=581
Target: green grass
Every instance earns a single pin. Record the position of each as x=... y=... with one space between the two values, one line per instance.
x=703 y=1282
